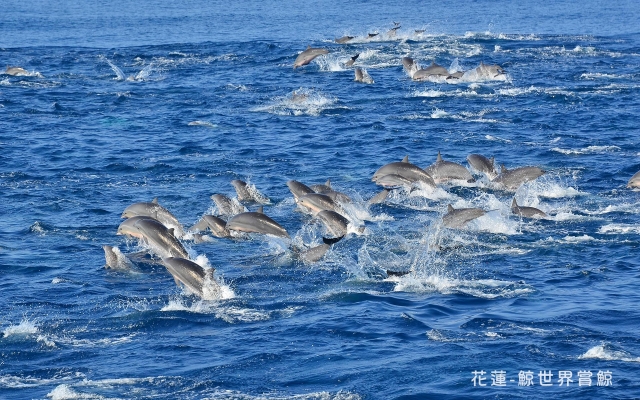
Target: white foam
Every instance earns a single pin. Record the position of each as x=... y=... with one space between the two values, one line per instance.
x=619 y=228
x=26 y=327
x=483 y=288
x=587 y=150
x=299 y=102
x=206 y=124
x=65 y=392
x=578 y=239
x=603 y=353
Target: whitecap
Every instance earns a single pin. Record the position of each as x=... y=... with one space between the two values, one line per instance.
x=602 y=352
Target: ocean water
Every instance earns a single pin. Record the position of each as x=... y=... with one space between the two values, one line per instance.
x=132 y=101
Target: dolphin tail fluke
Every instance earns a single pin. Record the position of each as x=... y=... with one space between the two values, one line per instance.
x=379 y=198
x=331 y=241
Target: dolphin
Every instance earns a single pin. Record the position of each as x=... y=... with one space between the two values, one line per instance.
x=419 y=31
x=334 y=222
x=362 y=76
x=483 y=164
x=256 y=222
x=489 y=71
x=458 y=218
x=225 y=205
x=527 y=212
x=316 y=202
x=352 y=60
x=114 y=258
x=455 y=75
x=216 y=225
x=308 y=55
x=372 y=35
x=160 y=238
x=316 y=253
x=512 y=179
x=442 y=171
x=380 y=197
x=189 y=274
x=406 y=170
x=299 y=189
x=392 y=32
x=156 y=211
x=328 y=190
x=634 y=182
x=242 y=190
x=393 y=181
x=16 y=71
x=432 y=70
x=409 y=65
x=344 y=39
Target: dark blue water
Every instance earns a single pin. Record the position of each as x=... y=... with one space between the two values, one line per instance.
x=213 y=102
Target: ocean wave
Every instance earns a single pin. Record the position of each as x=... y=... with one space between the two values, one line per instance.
x=588 y=150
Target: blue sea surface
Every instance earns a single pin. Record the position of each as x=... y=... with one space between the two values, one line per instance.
x=130 y=101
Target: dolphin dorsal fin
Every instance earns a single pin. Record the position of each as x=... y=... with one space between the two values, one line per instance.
x=405 y=159
x=328 y=183
x=260 y=210
x=514 y=204
x=308 y=46
x=439 y=157
x=450 y=208
x=171 y=231
x=503 y=169
x=155 y=200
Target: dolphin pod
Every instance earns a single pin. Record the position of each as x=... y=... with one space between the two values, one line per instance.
x=308 y=55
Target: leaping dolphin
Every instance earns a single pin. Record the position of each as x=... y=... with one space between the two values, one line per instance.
x=512 y=179
x=458 y=218
x=432 y=70
x=334 y=222
x=308 y=55
x=483 y=164
x=406 y=170
x=442 y=171
x=114 y=258
x=634 y=182
x=246 y=194
x=216 y=225
x=189 y=274
x=156 y=211
x=160 y=238
x=527 y=212
x=256 y=222
x=316 y=202
x=298 y=189
x=487 y=71
x=352 y=60
x=225 y=205
x=344 y=39
x=362 y=76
